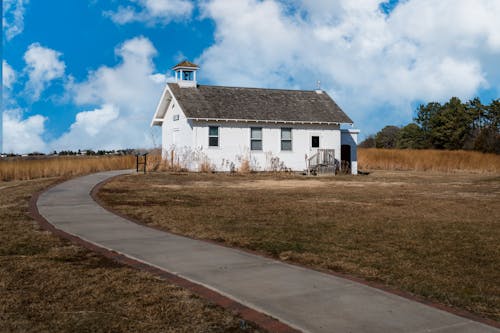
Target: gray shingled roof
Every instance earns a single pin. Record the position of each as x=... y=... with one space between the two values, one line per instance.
x=214 y=102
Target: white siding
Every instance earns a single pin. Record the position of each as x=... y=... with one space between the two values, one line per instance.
x=234 y=144
x=177 y=134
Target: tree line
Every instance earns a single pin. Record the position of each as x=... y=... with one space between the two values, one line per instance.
x=452 y=125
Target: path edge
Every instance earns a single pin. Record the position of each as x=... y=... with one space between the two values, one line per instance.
x=455 y=311
x=261 y=320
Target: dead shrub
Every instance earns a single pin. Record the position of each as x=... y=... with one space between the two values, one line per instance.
x=245 y=166
x=206 y=167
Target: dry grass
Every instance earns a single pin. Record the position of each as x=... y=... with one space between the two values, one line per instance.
x=26 y=168
x=432 y=234
x=427 y=160
x=49 y=285
x=245 y=166
x=156 y=163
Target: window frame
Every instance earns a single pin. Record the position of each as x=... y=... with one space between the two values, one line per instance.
x=210 y=136
x=286 y=140
x=252 y=140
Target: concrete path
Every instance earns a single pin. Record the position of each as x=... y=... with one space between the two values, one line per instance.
x=305 y=299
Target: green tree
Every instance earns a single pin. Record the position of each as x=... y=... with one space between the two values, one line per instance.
x=369 y=142
x=492 y=115
x=445 y=126
x=488 y=141
x=411 y=137
x=425 y=118
x=387 y=137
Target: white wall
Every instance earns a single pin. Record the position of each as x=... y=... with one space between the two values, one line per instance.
x=189 y=140
x=234 y=144
x=350 y=137
x=177 y=135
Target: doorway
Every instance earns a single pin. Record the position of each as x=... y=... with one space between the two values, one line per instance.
x=345 y=157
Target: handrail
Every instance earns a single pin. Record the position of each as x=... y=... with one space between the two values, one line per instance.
x=322 y=157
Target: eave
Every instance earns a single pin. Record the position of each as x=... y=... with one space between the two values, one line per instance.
x=294 y=122
x=162 y=107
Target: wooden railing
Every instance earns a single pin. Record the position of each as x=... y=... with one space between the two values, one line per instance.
x=323 y=157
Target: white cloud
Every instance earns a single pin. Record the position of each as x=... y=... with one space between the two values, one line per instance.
x=367 y=60
x=90 y=130
x=129 y=85
x=23 y=135
x=8 y=75
x=42 y=65
x=13 y=17
x=152 y=12
x=127 y=95
x=92 y=122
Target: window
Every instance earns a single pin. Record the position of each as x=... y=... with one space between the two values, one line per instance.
x=187 y=75
x=256 y=138
x=176 y=117
x=286 y=139
x=213 y=136
x=315 y=141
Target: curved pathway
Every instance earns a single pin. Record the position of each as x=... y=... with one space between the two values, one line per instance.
x=304 y=299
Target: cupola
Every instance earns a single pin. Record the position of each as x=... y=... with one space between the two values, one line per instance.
x=185 y=74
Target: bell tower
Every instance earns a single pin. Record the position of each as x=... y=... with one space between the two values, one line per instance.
x=185 y=74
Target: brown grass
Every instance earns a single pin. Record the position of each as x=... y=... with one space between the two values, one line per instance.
x=156 y=163
x=432 y=234
x=50 y=285
x=25 y=168
x=427 y=160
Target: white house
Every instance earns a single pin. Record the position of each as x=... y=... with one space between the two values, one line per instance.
x=267 y=129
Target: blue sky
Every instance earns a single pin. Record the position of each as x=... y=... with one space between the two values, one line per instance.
x=88 y=74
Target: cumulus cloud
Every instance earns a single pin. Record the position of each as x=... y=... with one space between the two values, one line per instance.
x=368 y=60
x=127 y=95
x=13 y=17
x=128 y=84
x=42 y=66
x=8 y=75
x=152 y=12
x=89 y=129
x=23 y=135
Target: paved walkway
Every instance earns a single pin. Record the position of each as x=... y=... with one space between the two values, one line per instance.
x=305 y=299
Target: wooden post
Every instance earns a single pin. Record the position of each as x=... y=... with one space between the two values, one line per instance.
x=137 y=162
x=145 y=159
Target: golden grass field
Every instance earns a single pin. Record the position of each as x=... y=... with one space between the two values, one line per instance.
x=49 y=285
x=427 y=160
x=432 y=234
x=30 y=168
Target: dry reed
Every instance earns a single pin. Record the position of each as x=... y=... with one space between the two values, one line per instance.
x=245 y=166
x=155 y=163
x=25 y=169
x=427 y=160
